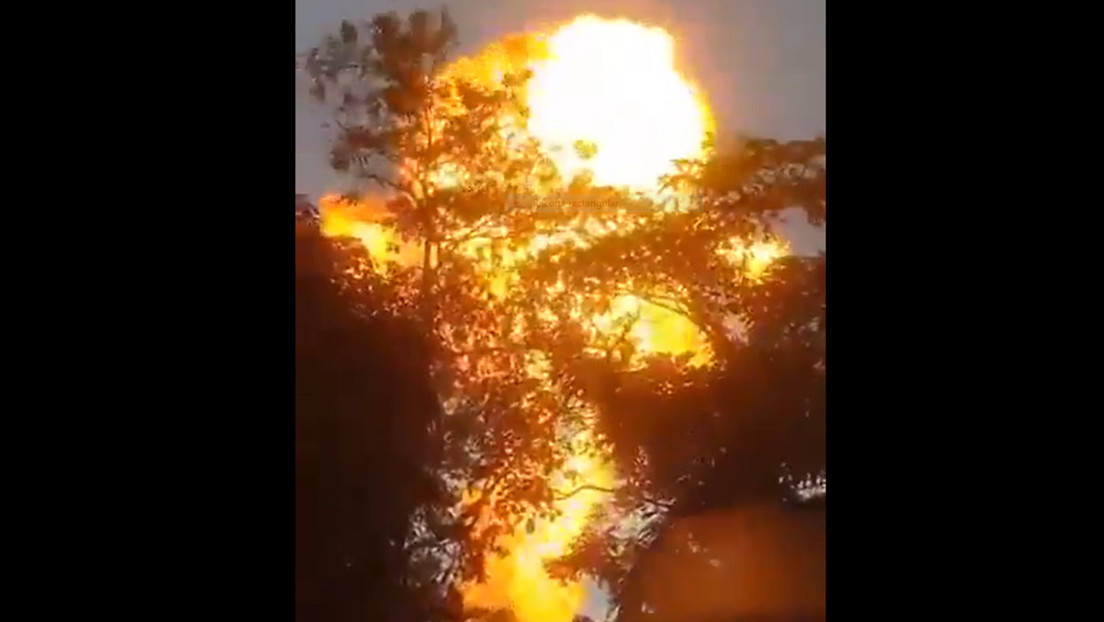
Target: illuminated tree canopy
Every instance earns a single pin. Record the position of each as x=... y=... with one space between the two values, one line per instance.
x=608 y=354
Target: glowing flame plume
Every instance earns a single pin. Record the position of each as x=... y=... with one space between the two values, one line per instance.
x=612 y=84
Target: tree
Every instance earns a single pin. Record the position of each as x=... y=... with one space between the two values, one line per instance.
x=694 y=440
x=520 y=368
x=761 y=562
x=448 y=150
x=443 y=144
x=364 y=441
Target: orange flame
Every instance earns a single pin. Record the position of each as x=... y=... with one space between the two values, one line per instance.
x=611 y=83
x=519 y=581
x=342 y=217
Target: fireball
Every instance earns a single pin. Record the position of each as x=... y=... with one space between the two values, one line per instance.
x=611 y=84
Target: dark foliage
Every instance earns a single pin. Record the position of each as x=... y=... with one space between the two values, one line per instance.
x=690 y=442
x=364 y=414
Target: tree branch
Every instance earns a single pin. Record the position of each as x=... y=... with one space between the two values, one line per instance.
x=388 y=183
x=492 y=350
x=664 y=302
x=595 y=488
x=622 y=338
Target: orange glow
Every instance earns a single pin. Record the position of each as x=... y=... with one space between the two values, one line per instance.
x=657 y=330
x=755 y=259
x=611 y=83
x=519 y=580
x=363 y=220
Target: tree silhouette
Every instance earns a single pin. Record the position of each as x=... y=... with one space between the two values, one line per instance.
x=364 y=416
x=446 y=149
x=695 y=440
x=428 y=137
x=687 y=438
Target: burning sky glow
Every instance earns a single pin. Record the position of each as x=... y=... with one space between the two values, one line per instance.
x=611 y=83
